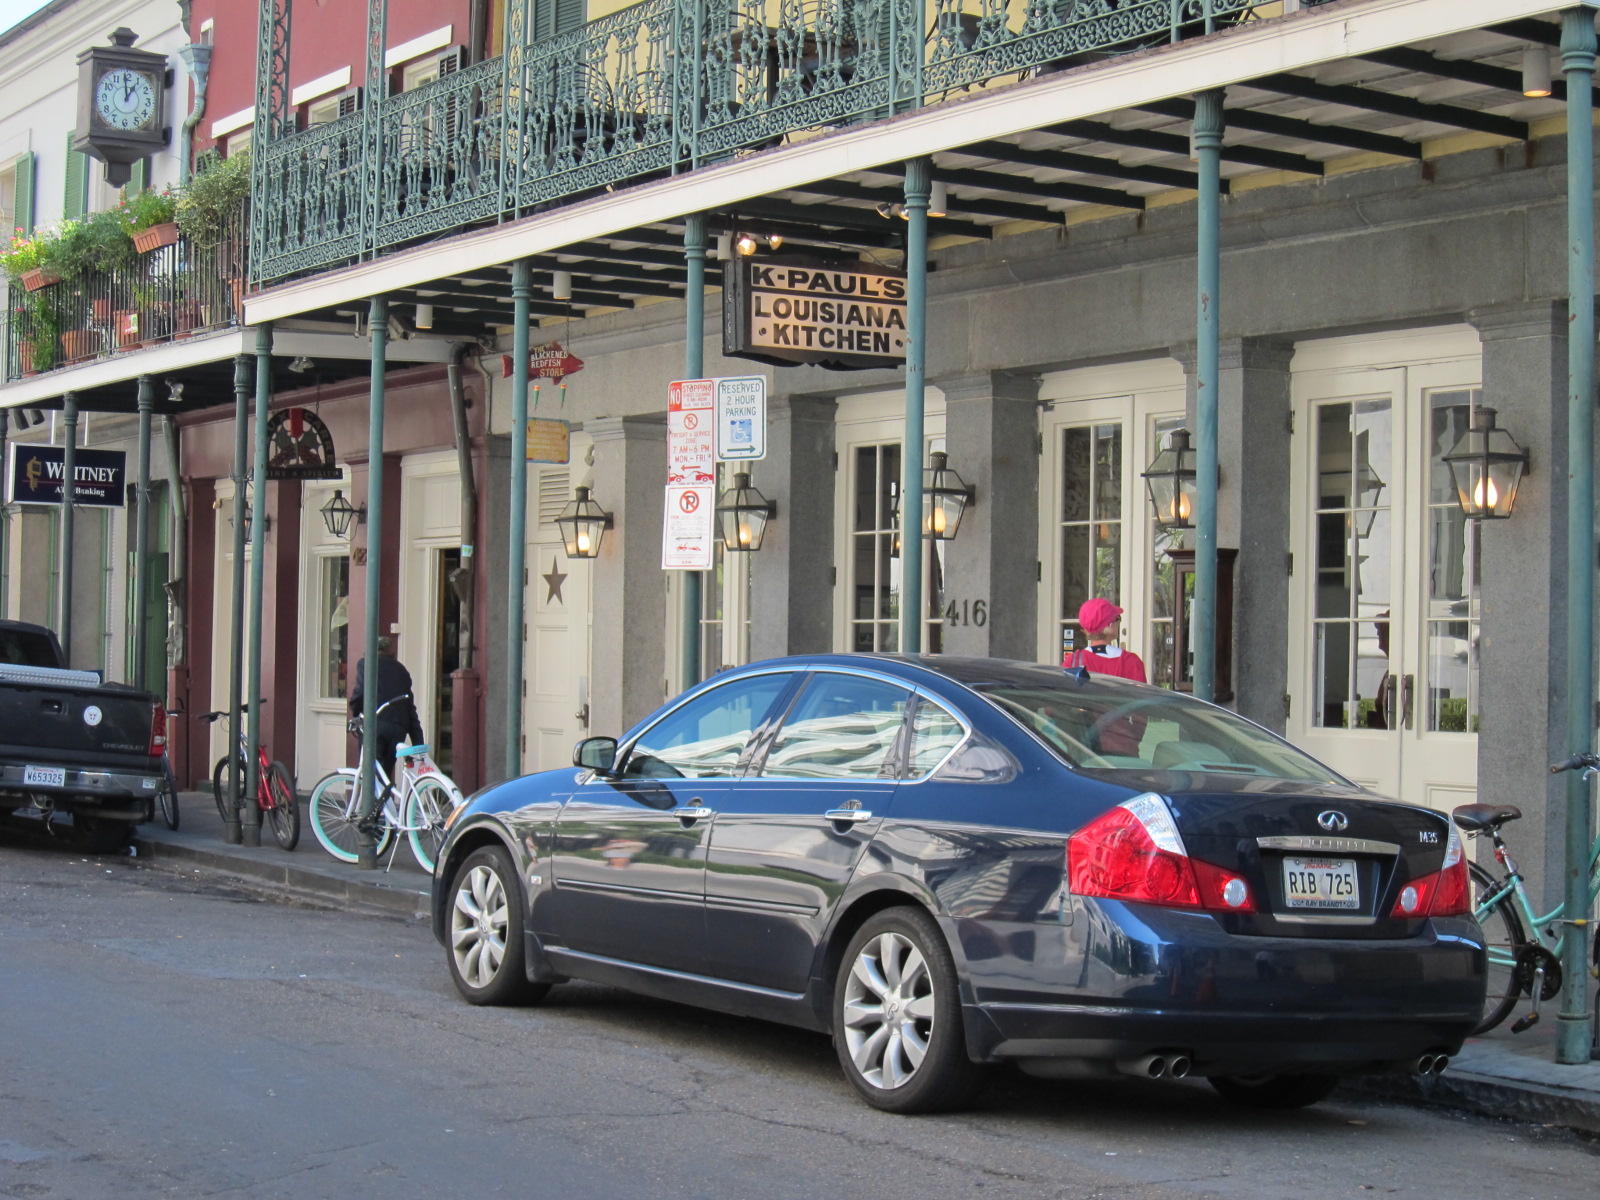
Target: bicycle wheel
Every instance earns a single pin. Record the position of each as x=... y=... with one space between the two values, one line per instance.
x=334 y=815
x=285 y=811
x=429 y=806
x=167 y=798
x=1503 y=937
x=219 y=787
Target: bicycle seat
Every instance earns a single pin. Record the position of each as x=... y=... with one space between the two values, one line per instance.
x=1475 y=818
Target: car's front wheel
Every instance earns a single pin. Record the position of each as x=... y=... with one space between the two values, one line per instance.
x=897 y=1017
x=1274 y=1091
x=486 y=952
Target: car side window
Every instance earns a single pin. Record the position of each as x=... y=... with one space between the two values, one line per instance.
x=842 y=727
x=705 y=738
x=934 y=733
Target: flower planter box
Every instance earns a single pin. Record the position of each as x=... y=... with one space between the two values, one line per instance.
x=80 y=343
x=101 y=311
x=127 y=327
x=155 y=237
x=39 y=277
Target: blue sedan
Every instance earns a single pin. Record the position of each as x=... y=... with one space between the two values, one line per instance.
x=948 y=863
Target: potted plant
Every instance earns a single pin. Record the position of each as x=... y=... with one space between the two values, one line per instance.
x=25 y=261
x=214 y=200
x=151 y=218
x=109 y=251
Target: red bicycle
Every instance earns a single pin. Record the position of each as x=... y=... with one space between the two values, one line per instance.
x=275 y=791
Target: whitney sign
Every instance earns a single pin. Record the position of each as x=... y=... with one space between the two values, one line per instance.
x=848 y=316
x=36 y=473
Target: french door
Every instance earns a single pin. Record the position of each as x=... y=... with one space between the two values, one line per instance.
x=1383 y=660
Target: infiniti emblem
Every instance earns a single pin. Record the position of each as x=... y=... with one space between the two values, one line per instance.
x=1333 y=822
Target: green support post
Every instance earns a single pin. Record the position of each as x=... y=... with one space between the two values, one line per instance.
x=243 y=374
x=141 y=535
x=919 y=182
x=516 y=556
x=1208 y=270
x=366 y=836
x=5 y=521
x=694 y=365
x=1574 y=1035
x=69 y=471
x=251 y=813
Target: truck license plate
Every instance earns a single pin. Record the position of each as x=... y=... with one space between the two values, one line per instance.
x=44 y=777
x=1321 y=883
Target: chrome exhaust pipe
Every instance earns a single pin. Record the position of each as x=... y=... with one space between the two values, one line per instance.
x=1431 y=1064
x=1440 y=1062
x=1151 y=1066
x=1178 y=1066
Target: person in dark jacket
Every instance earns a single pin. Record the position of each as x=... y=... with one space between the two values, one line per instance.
x=397 y=712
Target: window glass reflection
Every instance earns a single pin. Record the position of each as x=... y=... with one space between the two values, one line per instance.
x=704 y=738
x=842 y=727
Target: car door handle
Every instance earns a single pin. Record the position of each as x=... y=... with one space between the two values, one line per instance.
x=693 y=812
x=848 y=814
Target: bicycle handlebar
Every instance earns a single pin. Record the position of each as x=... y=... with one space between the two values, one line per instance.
x=210 y=717
x=1578 y=762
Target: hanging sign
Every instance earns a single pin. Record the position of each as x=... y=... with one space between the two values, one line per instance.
x=688 y=528
x=844 y=315
x=549 y=441
x=36 y=473
x=545 y=362
x=299 y=446
x=741 y=418
x=691 y=431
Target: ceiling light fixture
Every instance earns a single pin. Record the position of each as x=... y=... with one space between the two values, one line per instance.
x=424 y=316
x=1536 y=72
x=561 y=285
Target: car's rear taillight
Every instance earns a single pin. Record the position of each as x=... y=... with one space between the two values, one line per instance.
x=1134 y=852
x=158 y=731
x=1445 y=893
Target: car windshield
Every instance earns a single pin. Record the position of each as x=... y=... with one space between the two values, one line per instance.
x=1112 y=728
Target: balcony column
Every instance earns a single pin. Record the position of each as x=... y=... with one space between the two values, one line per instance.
x=917 y=186
x=251 y=813
x=1208 y=266
x=378 y=327
x=1573 y=1032
x=5 y=523
x=243 y=374
x=141 y=534
x=516 y=556
x=694 y=365
x=69 y=489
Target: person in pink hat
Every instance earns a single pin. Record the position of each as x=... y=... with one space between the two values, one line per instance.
x=1101 y=622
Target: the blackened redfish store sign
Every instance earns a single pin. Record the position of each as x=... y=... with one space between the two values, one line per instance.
x=849 y=316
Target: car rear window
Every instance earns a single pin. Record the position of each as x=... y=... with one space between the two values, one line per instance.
x=1114 y=728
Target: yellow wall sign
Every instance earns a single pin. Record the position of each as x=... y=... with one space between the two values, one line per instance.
x=549 y=441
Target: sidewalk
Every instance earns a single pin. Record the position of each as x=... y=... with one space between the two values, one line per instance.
x=1501 y=1074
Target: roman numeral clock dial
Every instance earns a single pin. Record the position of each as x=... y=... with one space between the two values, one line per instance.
x=125 y=99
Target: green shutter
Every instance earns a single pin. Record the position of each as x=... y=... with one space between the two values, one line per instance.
x=551 y=17
x=23 y=182
x=140 y=178
x=76 y=200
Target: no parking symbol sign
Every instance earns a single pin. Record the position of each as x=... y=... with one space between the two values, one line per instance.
x=688 y=528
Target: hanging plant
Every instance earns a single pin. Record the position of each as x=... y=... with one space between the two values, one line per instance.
x=151 y=217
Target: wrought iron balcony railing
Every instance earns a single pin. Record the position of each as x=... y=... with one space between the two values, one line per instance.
x=659 y=88
x=171 y=292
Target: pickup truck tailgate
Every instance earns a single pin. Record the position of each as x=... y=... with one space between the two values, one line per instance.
x=66 y=721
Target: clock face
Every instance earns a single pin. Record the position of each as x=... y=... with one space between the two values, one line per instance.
x=126 y=99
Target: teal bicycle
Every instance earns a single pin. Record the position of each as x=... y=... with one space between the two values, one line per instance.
x=1521 y=965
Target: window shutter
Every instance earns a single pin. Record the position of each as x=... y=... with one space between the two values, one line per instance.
x=76 y=201
x=140 y=177
x=24 y=190
x=551 y=17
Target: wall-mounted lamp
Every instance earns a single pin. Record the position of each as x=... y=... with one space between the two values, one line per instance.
x=744 y=513
x=583 y=523
x=424 y=316
x=250 y=524
x=775 y=241
x=746 y=245
x=338 y=514
x=1486 y=467
x=561 y=285
x=1170 y=481
x=888 y=211
x=945 y=497
x=1536 y=72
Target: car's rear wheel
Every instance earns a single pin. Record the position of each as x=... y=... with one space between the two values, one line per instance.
x=1274 y=1091
x=486 y=951
x=897 y=1017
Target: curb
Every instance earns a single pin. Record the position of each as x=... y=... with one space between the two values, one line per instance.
x=1489 y=1096
x=408 y=902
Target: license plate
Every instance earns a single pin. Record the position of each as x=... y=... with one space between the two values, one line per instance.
x=1321 y=883
x=44 y=777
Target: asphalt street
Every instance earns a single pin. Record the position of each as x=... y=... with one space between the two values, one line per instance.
x=167 y=1035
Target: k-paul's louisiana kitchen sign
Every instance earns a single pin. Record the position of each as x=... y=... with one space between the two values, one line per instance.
x=36 y=473
x=849 y=315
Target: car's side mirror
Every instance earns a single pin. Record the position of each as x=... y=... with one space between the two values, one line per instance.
x=596 y=754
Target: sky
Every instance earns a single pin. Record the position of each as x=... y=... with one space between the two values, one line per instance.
x=12 y=11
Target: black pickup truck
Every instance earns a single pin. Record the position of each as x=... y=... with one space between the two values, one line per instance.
x=70 y=743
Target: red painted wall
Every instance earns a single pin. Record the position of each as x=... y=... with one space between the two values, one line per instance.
x=324 y=35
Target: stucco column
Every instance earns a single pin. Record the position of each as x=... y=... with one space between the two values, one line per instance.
x=629 y=587
x=991 y=424
x=1523 y=638
x=791 y=576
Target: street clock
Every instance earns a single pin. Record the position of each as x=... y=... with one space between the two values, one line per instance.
x=121 y=105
